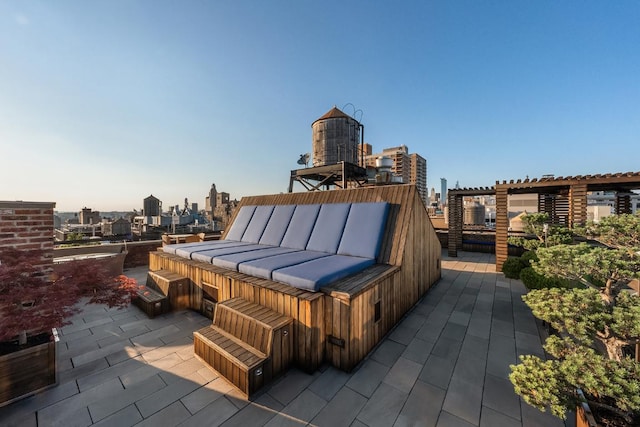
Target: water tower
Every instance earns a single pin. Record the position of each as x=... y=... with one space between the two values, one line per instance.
x=335 y=138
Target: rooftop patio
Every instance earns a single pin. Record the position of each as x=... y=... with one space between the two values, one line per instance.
x=445 y=364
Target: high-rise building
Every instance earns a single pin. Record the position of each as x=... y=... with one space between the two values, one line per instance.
x=418 y=176
x=411 y=168
x=443 y=192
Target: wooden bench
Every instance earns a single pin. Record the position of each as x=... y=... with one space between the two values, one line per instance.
x=174 y=286
x=248 y=344
x=152 y=302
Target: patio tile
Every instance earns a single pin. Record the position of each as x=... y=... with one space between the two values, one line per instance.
x=437 y=371
x=383 y=407
x=418 y=350
x=388 y=352
x=368 y=377
x=212 y=415
x=126 y=417
x=170 y=416
x=403 y=375
x=341 y=410
x=255 y=413
x=300 y=411
x=491 y=418
x=327 y=384
x=422 y=406
x=500 y=396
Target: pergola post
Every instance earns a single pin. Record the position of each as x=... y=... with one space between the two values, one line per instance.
x=623 y=203
x=502 y=225
x=454 y=202
x=577 y=205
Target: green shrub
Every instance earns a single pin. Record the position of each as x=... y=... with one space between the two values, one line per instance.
x=512 y=267
x=528 y=257
x=533 y=280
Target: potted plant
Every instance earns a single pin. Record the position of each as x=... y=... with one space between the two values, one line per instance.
x=36 y=298
x=597 y=325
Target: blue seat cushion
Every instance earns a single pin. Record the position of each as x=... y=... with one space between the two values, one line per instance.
x=207 y=256
x=364 y=230
x=264 y=266
x=300 y=227
x=240 y=224
x=232 y=261
x=257 y=224
x=171 y=249
x=188 y=252
x=328 y=228
x=314 y=274
x=277 y=226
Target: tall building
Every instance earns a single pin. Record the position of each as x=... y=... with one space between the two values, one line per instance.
x=418 y=177
x=443 y=192
x=411 y=168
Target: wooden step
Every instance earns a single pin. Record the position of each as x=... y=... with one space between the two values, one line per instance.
x=248 y=344
x=175 y=287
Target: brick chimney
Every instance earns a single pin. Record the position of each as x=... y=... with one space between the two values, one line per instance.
x=28 y=225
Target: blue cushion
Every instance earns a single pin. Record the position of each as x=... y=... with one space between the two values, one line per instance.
x=264 y=266
x=328 y=228
x=277 y=226
x=188 y=252
x=257 y=224
x=171 y=249
x=240 y=223
x=207 y=256
x=300 y=227
x=364 y=229
x=231 y=261
x=313 y=275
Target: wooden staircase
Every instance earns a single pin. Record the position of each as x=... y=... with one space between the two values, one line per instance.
x=247 y=343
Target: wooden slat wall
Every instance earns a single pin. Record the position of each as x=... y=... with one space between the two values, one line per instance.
x=353 y=320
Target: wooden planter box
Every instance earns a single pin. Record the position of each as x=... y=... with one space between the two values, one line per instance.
x=27 y=371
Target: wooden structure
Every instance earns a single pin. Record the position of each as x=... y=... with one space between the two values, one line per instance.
x=564 y=199
x=175 y=287
x=339 y=175
x=248 y=344
x=344 y=321
x=28 y=371
x=152 y=302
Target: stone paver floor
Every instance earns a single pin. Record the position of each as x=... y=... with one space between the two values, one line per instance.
x=446 y=364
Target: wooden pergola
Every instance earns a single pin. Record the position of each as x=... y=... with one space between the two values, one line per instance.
x=564 y=199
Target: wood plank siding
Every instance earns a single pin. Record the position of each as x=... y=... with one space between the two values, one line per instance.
x=344 y=321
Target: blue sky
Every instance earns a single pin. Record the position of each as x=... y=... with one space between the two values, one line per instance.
x=105 y=102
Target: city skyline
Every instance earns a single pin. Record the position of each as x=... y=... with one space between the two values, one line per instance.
x=106 y=103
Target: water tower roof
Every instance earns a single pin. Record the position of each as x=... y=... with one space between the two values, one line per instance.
x=334 y=113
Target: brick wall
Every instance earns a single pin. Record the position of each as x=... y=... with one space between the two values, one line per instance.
x=28 y=225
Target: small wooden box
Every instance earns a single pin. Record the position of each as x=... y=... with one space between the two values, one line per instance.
x=152 y=302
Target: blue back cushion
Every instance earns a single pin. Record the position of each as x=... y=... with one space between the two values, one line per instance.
x=329 y=226
x=300 y=227
x=240 y=224
x=257 y=224
x=277 y=226
x=364 y=229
